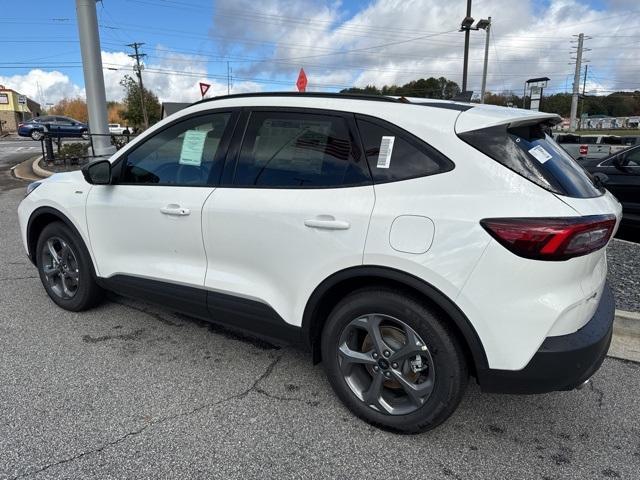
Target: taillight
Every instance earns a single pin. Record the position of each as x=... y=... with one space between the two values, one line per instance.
x=551 y=238
x=584 y=149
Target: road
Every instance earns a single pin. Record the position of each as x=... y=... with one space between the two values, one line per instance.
x=129 y=390
x=13 y=150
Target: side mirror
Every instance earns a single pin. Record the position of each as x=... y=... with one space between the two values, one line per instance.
x=98 y=173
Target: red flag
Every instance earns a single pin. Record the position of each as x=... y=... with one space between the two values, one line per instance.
x=302 y=81
x=203 y=88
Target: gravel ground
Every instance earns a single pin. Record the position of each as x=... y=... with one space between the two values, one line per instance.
x=129 y=390
x=624 y=274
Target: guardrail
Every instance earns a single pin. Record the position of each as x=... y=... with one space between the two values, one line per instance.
x=82 y=150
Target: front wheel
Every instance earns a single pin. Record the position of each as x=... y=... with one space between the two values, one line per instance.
x=65 y=268
x=85 y=135
x=37 y=135
x=393 y=361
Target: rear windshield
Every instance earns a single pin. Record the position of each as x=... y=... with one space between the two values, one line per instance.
x=531 y=152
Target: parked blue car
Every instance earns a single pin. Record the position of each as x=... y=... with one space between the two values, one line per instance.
x=57 y=125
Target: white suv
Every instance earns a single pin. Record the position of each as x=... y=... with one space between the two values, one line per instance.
x=408 y=243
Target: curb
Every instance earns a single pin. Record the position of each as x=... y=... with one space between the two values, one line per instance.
x=625 y=343
x=29 y=175
x=38 y=170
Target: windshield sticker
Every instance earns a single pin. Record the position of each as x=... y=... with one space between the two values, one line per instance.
x=386 y=149
x=192 y=147
x=540 y=153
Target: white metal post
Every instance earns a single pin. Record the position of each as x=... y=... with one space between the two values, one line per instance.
x=93 y=78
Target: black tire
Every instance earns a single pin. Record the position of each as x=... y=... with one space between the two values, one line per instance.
x=85 y=291
x=448 y=360
x=84 y=134
x=36 y=135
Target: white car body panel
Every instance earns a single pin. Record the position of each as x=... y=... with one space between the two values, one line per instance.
x=131 y=236
x=259 y=247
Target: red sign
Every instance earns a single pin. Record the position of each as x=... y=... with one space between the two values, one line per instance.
x=203 y=88
x=302 y=81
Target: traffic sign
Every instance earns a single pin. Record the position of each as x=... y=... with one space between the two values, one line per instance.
x=204 y=87
x=22 y=99
x=302 y=81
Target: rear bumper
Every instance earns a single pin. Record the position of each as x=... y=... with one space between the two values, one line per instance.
x=563 y=362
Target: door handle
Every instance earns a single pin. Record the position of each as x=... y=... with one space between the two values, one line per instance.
x=327 y=222
x=175 y=210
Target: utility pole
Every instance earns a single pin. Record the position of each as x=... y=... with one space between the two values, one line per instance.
x=467 y=32
x=138 y=69
x=584 y=88
x=93 y=78
x=486 y=61
x=576 y=84
x=228 y=79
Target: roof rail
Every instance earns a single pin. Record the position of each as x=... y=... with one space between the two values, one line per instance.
x=349 y=96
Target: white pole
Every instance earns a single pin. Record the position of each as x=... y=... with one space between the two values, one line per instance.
x=93 y=78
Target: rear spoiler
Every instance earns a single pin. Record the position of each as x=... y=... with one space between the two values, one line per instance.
x=486 y=116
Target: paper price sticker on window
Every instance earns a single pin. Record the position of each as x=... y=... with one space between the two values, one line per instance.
x=386 y=149
x=192 y=147
x=540 y=154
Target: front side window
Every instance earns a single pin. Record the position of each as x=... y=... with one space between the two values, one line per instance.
x=393 y=155
x=286 y=149
x=186 y=153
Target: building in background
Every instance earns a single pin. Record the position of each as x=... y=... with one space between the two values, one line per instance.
x=15 y=108
x=169 y=108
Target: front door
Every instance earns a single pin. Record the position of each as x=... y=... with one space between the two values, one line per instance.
x=147 y=224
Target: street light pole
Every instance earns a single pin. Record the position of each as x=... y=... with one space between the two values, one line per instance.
x=93 y=78
x=467 y=32
x=486 y=61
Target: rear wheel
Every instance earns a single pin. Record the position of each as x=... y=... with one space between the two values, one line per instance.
x=65 y=268
x=393 y=361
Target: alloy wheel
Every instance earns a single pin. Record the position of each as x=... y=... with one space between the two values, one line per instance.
x=386 y=364
x=60 y=268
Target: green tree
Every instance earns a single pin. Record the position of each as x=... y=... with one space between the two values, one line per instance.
x=132 y=112
x=424 y=87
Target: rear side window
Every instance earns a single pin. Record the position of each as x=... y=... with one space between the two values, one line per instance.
x=395 y=155
x=531 y=152
x=299 y=150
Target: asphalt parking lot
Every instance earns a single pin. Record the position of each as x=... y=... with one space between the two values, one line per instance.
x=129 y=390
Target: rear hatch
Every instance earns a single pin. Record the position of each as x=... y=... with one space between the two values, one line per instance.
x=521 y=141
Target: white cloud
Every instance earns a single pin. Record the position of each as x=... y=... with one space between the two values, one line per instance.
x=43 y=87
x=530 y=39
x=173 y=77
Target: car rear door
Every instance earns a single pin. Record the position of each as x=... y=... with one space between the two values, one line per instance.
x=147 y=224
x=293 y=208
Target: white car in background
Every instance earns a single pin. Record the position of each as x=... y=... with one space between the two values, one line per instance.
x=407 y=243
x=117 y=129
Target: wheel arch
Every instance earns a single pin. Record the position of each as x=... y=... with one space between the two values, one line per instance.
x=334 y=288
x=38 y=220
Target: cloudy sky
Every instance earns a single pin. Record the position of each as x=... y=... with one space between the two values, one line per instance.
x=338 y=43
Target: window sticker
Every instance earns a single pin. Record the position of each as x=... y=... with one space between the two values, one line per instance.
x=386 y=149
x=540 y=153
x=192 y=148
